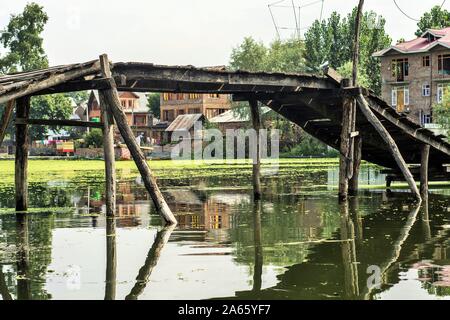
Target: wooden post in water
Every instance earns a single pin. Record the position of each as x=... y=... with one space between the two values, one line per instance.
x=256 y=121
x=356 y=142
x=108 y=145
x=425 y=154
x=23 y=257
x=376 y=123
x=6 y=117
x=353 y=184
x=112 y=98
x=21 y=162
x=345 y=161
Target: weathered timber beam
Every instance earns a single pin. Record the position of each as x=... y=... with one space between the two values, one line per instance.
x=111 y=260
x=112 y=98
x=51 y=81
x=6 y=117
x=143 y=71
x=415 y=133
x=76 y=85
x=365 y=109
x=51 y=122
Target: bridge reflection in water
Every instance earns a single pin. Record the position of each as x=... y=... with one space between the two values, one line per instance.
x=291 y=245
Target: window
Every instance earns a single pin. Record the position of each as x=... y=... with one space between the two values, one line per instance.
x=426 y=61
x=214 y=95
x=400 y=98
x=168 y=115
x=194 y=111
x=194 y=96
x=426 y=90
x=425 y=118
x=400 y=69
x=165 y=96
x=444 y=64
x=180 y=112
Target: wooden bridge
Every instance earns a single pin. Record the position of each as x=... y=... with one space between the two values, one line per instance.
x=316 y=103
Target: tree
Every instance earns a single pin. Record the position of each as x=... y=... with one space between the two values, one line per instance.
x=154 y=103
x=250 y=55
x=94 y=138
x=437 y=18
x=23 y=39
x=24 y=44
x=332 y=41
x=55 y=106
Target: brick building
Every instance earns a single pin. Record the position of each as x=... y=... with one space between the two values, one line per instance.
x=176 y=104
x=416 y=74
x=135 y=107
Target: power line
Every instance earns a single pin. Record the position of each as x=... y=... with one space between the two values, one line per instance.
x=408 y=16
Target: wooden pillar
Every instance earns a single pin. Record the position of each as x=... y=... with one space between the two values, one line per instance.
x=6 y=117
x=346 y=154
x=256 y=122
x=109 y=156
x=376 y=123
x=112 y=98
x=357 y=155
x=111 y=259
x=21 y=162
x=425 y=154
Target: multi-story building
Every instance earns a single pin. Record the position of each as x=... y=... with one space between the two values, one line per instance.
x=416 y=74
x=135 y=107
x=176 y=104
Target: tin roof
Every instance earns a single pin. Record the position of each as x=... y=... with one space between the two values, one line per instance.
x=184 y=122
x=421 y=44
x=234 y=116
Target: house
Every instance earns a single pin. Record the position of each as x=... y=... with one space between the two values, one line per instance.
x=184 y=123
x=233 y=120
x=134 y=105
x=176 y=104
x=416 y=74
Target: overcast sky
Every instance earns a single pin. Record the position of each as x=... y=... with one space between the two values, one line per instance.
x=197 y=32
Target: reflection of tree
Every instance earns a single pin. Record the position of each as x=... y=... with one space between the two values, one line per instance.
x=162 y=237
x=348 y=249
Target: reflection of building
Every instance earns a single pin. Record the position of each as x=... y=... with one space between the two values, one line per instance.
x=214 y=213
x=416 y=73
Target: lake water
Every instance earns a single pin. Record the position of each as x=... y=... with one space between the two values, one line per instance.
x=297 y=243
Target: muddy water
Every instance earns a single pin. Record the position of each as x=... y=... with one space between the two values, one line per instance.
x=297 y=243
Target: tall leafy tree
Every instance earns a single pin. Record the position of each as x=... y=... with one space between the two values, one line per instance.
x=24 y=44
x=332 y=41
x=437 y=18
x=22 y=37
x=154 y=103
x=250 y=55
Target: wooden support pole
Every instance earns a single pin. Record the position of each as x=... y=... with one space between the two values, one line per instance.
x=112 y=99
x=346 y=156
x=357 y=156
x=23 y=257
x=376 y=123
x=109 y=156
x=6 y=117
x=425 y=154
x=256 y=121
x=21 y=162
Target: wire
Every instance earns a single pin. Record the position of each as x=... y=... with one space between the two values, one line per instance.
x=408 y=16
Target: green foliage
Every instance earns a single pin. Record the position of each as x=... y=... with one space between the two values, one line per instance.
x=23 y=39
x=441 y=114
x=310 y=146
x=332 y=41
x=279 y=56
x=437 y=18
x=78 y=96
x=94 y=138
x=56 y=106
x=154 y=103
x=346 y=71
